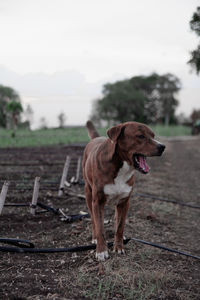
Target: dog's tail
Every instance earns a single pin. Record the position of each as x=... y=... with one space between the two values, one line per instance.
x=92 y=132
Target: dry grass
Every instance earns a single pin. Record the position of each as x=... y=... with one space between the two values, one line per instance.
x=123 y=278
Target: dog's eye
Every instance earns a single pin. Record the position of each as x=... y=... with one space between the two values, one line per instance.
x=141 y=136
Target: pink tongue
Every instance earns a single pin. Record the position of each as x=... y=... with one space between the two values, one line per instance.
x=143 y=164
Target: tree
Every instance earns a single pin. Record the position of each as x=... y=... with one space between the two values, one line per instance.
x=152 y=106
x=167 y=87
x=62 y=119
x=121 y=102
x=7 y=94
x=95 y=115
x=195 y=115
x=160 y=91
x=28 y=113
x=14 y=108
x=128 y=102
x=43 y=123
x=148 y=99
x=195 y=54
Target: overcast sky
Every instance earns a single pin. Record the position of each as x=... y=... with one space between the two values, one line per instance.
x=58 y=53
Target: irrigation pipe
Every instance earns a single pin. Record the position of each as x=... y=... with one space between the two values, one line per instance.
x=136 y=194
x=145 y=196
x=55 y=211
x=167 y=200
x=165 y=248
x=28 y=247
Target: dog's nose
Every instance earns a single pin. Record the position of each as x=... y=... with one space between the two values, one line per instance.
x=160 y=148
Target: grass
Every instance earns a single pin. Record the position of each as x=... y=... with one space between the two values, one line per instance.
x=43 y=137
x=70 y=135
x=172 y=130
x=122 y=282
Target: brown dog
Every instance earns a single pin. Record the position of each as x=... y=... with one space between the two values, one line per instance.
x=109 y=166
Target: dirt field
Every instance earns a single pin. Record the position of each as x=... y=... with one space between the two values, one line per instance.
x=143 y=272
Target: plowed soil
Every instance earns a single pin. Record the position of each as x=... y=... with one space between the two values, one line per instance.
x=144 y=272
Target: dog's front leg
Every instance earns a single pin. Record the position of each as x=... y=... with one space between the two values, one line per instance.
x=88 y=194
x=120 y=218
x=98 y=213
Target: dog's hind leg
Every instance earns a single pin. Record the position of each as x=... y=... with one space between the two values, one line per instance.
x=88 y=194
x=121 y=211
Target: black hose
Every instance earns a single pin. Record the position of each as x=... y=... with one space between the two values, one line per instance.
x=28 y=247
x=167 y=200
x=17 y=242
x=17 y=205
x=32 y=248
x=48 y=208
x=165 y=248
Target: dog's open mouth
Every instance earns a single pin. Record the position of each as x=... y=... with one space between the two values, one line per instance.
x=140 y=163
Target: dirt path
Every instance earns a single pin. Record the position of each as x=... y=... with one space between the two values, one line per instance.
x=144 y=272
x=176 y=176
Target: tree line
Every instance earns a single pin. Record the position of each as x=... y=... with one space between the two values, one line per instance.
x=146 y=99
x=11 y=111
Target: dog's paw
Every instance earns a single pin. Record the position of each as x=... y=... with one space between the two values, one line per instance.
x=101 y=256
x=119 y=250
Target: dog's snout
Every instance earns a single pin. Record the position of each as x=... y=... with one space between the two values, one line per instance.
x=160 y=148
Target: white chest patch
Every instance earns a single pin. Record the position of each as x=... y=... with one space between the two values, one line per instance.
x=120 y=189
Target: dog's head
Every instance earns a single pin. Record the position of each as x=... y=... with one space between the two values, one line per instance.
x=134 y=142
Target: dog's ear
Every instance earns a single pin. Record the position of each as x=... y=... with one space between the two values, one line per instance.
x=114 y=132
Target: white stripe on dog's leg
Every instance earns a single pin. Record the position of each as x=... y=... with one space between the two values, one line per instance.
x=102 y=256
